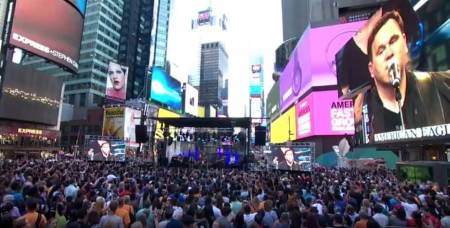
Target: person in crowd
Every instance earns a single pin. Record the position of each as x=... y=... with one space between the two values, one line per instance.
x=398 y=217
x=379 y=217
x=31 y=218
x=111 y=219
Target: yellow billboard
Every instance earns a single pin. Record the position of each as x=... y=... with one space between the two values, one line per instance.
x=164 y=113
x=201 y=111
x=283 y=129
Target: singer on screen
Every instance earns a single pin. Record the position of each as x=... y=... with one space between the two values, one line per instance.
x=424 y=97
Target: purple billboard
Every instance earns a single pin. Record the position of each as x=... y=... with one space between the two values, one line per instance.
x=312 y=63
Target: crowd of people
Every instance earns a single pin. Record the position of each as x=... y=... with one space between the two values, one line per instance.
x=76 y=193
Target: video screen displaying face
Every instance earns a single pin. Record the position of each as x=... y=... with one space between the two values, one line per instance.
x=399 y=103
x=105 y=150
x=291 y=158
x=51 y=29
x=116 y=85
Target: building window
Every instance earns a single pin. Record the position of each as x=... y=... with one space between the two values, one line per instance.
x=82 y=100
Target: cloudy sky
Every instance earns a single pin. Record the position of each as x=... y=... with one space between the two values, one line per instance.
x=254 y=29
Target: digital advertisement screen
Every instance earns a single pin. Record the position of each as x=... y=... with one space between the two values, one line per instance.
x=191 y=100
x=312 y=63
x=113 y=122
x=284 y=129
x=273 y=100
x=105 y=150
x=293 y=158
x=52 y=32
x=30 y=95
x=116 y=83
x=401 y=103
x=256 y=87
x=132 y=118
x=165 y=89
x=322 y=113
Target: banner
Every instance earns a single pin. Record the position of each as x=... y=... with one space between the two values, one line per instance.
x=113 y=122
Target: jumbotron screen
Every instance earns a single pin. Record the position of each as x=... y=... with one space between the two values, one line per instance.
x=105 y=150
x=51 y=29
x=407 y=96
x=291 y=158
x=30 y=95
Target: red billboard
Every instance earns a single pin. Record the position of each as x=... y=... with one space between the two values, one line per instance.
x=51 y=29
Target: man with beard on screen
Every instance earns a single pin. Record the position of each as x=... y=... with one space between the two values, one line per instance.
x=105 y=151
x=424 y=96
x=288 y=163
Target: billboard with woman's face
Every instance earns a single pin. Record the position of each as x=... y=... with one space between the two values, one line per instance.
x=116 y=83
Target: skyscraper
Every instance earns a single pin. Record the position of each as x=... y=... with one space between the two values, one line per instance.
x=214 y=65
x=99 y=46
x=134 y=44
x=160 y=33
x=3 y=7
x=208 y=26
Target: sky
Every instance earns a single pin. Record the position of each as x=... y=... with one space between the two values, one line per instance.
x=254 y=29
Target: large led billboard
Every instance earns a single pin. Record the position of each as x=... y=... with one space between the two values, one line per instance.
x=165 y=89
x=113 y=122
x=322 y=113
x=191 y=100
x=312 y=63
x=273 y=100
x=352 y=59
x=399 y=103
x=30 y=95
x=291 y=158
x=283 y=129
x=116 y=84
x=51 y=29
x=256 y=87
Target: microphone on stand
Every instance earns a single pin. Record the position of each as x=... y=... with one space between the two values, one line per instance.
x=394 y=73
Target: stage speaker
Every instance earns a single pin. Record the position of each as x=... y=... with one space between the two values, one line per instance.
x=260 y=136
x=141 y=134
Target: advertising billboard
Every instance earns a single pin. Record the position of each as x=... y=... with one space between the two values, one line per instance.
x=113 y=122
x=273 y=100
x=312 y=63
x=204 y=17
x=291 y=158
x=30 y=95
x=256 y=86
x=283 y=129
x=165 y=89
x=400 y=104
x=322 y=113
x=116 y=84
x=191 y=100
x=105 y=150
x=132 y=118
x=159 y=126
x=52 y=32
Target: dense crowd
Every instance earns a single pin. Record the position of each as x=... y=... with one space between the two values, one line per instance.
x=75 y=193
